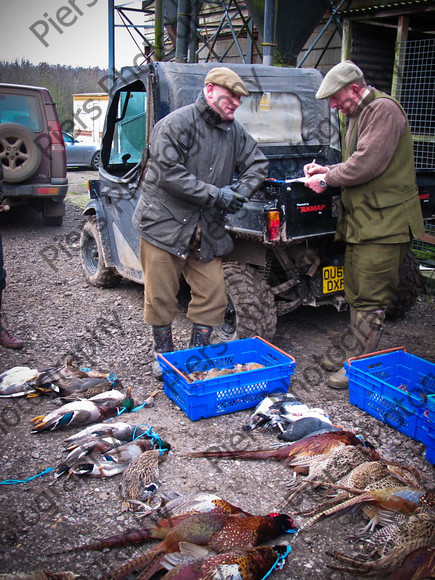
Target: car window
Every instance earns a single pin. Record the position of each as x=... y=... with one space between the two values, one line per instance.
x=68 y=139
x=130 y=128
x=272 y=117
x=21 y=109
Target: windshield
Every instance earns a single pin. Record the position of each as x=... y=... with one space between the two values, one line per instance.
x=272 y=117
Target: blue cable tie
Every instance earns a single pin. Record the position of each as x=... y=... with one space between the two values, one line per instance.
x=155 y=438
x=111 y=377
x=279 y=562
x=13 y=481
x=292 y=531
x=124 y=409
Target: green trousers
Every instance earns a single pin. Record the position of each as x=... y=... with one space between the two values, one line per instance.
x=370 y=273
x=162 y=273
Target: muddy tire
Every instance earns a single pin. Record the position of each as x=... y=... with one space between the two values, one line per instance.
x=19 y=155
x=91 y=256
x=409 y=286
x=251 y=306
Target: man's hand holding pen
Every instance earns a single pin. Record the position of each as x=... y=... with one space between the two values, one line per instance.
x=315 y=174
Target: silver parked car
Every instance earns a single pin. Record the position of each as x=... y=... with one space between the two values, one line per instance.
x=81 y=153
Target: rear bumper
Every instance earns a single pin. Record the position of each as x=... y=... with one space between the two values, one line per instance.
x=56 y=189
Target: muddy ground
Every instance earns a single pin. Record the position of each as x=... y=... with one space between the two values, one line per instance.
x=49 y=304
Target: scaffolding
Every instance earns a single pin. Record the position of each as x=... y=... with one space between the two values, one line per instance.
x=218 y=31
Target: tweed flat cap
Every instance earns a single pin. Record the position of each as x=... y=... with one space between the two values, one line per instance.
x=339 y=76
x=227 y=78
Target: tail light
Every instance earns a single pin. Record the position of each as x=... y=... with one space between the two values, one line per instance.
x=56 y=137
x=273 y=225
x=57 y=150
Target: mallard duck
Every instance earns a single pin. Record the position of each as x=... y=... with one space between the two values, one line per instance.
x=68 y=380
x=141 y=478
x=114 y=461
x=84 y=412
x=17 y=382
x=118 y=430
x=96 y=445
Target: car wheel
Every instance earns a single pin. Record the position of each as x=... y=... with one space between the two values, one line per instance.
x=251 y=307
x=91 y=256
x=19 y=154
x=95 y=163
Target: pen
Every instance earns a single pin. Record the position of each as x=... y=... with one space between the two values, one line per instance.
x=312 y=163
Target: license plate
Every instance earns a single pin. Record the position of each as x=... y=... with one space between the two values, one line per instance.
x=333 y=280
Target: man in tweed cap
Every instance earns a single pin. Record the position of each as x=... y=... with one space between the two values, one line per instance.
x=380 y=209
x=186 y=193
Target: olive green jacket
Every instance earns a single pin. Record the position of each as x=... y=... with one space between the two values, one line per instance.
x=387 y=208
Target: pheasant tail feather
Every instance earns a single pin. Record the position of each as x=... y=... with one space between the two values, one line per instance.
x=145 y=561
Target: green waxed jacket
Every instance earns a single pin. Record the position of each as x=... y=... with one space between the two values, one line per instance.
x=386 y=209
x=194 y=153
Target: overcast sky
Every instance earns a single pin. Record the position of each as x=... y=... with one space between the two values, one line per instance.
x=75 y=31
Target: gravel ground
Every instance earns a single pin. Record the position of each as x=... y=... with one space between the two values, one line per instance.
x=49 y=304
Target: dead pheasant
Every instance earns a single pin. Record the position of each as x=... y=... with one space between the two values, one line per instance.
x=405 y=500
x=168 y=515
x=395 y=543
x=330 y=468
x=250 y=564
x=307 y=448
x=367 y=477
x=219 y=532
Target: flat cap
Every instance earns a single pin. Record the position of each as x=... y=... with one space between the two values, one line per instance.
x=227 y=78
x=339 y=76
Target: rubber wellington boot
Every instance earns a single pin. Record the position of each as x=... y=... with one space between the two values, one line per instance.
x=162 y=343
x=366 y=330
x=200 y=335
x=335 y=356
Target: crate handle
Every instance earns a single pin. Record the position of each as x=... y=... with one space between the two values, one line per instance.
x=182 y=375
x=275 y=348
x=376 y=353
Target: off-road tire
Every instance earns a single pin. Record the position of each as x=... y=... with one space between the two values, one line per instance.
x=19 y=154
x=251 y=305
x=91 y=256
x=409 y=286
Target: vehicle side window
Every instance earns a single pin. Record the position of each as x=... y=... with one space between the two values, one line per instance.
x=21 y=109
x=130 y=128
x=68 y=139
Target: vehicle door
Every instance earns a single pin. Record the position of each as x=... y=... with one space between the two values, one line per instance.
x=123 y=145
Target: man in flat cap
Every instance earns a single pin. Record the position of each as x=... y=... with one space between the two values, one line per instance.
x=185 y=194
x=380 y=209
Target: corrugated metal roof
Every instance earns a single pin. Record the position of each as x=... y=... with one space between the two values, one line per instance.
x=376 y=5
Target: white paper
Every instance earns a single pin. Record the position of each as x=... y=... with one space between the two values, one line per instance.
x=299 y=179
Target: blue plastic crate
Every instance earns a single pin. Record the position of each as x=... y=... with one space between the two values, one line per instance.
x=393 y=386
x=429 y=430
x=225 y=394
x=431 y=408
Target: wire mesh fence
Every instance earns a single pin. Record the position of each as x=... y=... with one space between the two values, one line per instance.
x=414 y=86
